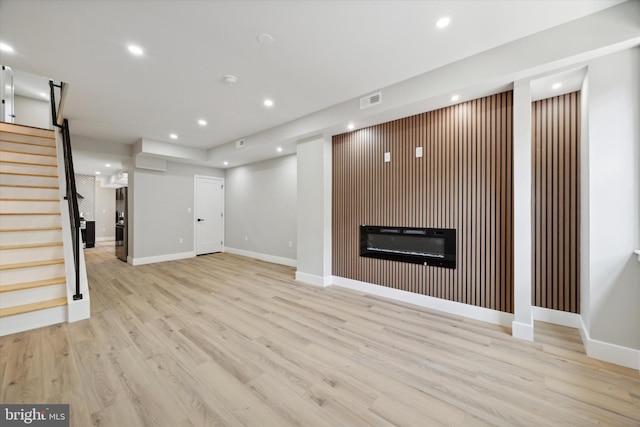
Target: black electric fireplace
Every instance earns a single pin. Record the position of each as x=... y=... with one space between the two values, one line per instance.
x=428 y=246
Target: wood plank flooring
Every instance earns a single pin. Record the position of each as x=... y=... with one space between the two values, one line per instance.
x=224 y=340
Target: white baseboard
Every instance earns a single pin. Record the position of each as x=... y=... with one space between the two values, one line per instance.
x=557 y=317
x=522 y=331
x=160 y=258
x=312 y=279
x=607 y=352
x=79 y=309
x=32 y=320
x=263 y=257
x=106 y=239
x=450 y=307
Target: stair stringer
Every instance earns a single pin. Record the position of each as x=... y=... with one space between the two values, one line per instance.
x=76 y=309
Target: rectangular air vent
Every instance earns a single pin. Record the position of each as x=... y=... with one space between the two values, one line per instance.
x=370 y=100
x=240 y=143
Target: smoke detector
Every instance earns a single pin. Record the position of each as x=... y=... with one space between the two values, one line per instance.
x=230 y=79
x=265 y=39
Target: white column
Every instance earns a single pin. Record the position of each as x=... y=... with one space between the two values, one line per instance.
x=522 y=326
x=314 y=211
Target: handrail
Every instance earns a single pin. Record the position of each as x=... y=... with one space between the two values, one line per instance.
x=71 y=194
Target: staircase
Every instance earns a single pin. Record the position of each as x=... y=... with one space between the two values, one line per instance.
x=33 y=291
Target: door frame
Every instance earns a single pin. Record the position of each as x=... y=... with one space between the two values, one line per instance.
x=195 y=204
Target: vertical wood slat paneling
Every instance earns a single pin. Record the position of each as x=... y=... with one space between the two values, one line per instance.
x=555 y=140
x=463 y=181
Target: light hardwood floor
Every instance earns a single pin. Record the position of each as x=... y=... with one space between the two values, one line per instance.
x=226 y=340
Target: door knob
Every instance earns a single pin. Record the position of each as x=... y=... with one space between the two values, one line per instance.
x=200 y=219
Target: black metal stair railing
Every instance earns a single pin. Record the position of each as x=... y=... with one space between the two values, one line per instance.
x=70 y=192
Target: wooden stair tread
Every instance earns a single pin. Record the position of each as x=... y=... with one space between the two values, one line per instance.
x=40 y=187
x=16 y=162
x=27 y=153
x=26 y=200
x=32 y=264
x=31 y=285
x=14 y=230
x=26 y=130
x=29 y=213
x=11 y=141
x=27 y=308
x=30 y=246
x=29 y=174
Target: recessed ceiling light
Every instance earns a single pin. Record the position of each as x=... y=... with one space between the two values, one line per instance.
x=350 y=126
x=6 y=48
x=443 y=22
x=173 y=136
x=556 y=86
x=108 y=165
x=97 y=172
x=7 y=87
x=268 y=103
x=265 y=39
x=44 y=95
x=202 y=122
x=279 y=149
x=226 y=163
x=135 y=50
x=454 y=98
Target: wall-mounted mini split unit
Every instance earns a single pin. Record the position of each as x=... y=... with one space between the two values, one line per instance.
x=370 y=100
x=240 y=143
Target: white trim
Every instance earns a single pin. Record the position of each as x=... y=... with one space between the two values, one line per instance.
x=160 y=258
x=263 y=257
x=522 y=326
x=607 y=352
x=32 y=320
x=523 y=331
x=106 y=239
x=33 y=295
x=312 y=279
x=450 y=307
x=79 y=309
x=75 y=309
x=562 y=318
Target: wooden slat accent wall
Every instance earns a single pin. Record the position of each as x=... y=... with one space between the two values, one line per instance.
x=463 y=181
x=555 y=134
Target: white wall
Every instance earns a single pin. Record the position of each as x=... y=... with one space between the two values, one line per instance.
x=585 y=272
x=314 y=211
x=86 y=187
x=522 y=326
x=260 y=206
x=32 y=112
x=105 y=212
x=160 y=202
x=614 y=199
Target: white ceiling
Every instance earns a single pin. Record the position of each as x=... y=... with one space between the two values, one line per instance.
x=325 y=52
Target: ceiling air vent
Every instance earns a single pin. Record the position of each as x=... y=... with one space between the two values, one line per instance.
x=240 y=143
x=371 y=100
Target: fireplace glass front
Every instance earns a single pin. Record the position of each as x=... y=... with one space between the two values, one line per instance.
x=428 y=246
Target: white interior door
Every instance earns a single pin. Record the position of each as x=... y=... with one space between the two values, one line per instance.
x=209 y=225
x=6 y=91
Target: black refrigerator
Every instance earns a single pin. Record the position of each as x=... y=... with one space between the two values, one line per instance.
x=121 y=223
